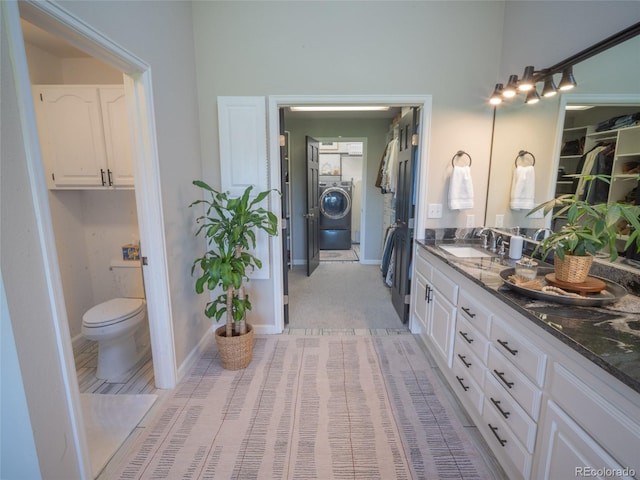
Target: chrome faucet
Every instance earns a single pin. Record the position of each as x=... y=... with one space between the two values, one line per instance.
x=545 y=233
x=487 y=233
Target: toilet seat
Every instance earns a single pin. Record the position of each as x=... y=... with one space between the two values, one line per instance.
x=112 y=312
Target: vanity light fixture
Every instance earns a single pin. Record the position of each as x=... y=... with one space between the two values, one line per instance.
x=496 y=97
x=527 y=82
x=530 y=77
x=532 y=97
x=510 y=90
x=549 y=89
x=568 y=81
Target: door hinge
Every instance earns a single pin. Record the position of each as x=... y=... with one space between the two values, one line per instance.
x=407 y=299
x=41 y=99
x=53 y=177
x=145 y=261
x=282 y=140
x=283 y=224
x=414 y=139
x=285 y=299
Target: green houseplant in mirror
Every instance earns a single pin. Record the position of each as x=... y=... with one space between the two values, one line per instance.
x=229 y=225
x=590 y=228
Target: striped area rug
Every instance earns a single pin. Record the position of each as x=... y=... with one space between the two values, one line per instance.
x=325 y=407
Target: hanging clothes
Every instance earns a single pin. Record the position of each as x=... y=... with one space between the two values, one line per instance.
x=381 y=166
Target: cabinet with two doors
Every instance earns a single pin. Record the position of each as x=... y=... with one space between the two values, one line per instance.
x=545 y=411
x=84 y=136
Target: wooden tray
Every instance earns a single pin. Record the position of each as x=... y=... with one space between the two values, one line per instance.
x=590 y=285
x=612 y=293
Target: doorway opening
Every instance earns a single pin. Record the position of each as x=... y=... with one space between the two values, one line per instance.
x=344 y=293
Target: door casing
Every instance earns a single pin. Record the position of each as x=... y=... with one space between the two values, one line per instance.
x=275 y=102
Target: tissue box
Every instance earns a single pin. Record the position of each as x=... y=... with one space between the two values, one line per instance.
x=131 y=252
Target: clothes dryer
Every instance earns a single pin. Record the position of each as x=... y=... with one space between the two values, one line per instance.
x=335 y=215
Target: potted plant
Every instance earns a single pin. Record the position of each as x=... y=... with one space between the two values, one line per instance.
x=229 y=225
x=589 y=229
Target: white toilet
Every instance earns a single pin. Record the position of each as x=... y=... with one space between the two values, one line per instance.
x=120 y=325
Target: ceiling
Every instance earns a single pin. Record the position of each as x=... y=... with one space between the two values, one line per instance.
x=62 y=49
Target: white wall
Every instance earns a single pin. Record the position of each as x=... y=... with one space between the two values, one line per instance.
x=160 y=33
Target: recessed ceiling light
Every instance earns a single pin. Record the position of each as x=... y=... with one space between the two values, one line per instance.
x=338 y=108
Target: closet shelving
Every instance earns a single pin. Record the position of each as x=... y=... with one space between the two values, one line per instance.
x=627 y=152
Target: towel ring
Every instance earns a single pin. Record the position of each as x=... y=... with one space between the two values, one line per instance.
x=522 y=153
x=460 y=153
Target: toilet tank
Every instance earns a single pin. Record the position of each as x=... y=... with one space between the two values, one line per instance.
x=127 y=275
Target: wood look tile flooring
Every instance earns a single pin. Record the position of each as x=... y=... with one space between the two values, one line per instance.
x=139 y=380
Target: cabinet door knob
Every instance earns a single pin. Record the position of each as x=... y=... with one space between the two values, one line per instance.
x=463 y=360
x=102 y=177
x=109 y=175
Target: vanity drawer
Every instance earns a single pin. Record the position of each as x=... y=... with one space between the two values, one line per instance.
x=470 y=362
x=523 y=354
x=423 y=266
x=470 y=337
x=504 y=443
x=465 y=386
x=515 y=383
x=478 y=316
x=446 y=287
x=513 y=415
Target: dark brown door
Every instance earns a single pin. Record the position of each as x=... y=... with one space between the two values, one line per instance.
x=312 y=215
x=285 y=231
x=404 y=215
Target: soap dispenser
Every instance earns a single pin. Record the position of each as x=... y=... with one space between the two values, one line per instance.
x=515 y=245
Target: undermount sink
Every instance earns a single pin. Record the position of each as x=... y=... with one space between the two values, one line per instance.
x=465 y=251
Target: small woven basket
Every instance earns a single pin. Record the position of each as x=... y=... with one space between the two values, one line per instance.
x=573 y=269
x=235 y=352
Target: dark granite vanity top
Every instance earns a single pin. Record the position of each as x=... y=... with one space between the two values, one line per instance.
x=609 y=335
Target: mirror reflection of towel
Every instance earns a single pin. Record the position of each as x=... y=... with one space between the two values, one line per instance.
x=461 y=188
x=523 y=188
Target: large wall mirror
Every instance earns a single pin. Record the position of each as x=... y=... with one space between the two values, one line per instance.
x=608 y=86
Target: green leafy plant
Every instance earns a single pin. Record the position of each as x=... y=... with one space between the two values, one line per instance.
x=229 y=224
x=590 y=227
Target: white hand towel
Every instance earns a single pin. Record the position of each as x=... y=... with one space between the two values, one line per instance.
x=523 y=188
x=461 y=188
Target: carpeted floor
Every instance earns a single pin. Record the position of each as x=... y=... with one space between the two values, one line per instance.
x=341 y=295
x=358 y=407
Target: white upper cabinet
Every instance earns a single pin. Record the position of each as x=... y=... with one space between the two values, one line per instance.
x=84 y=136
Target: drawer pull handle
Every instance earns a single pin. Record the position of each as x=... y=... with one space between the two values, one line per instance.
x=501 y=377
x=468 y=311
x=506 y=346
x=497 y=404
x=109 y=177
x=102 y=177
x=464 y=335
x=460 y=380
x=462 y=358
x=495 y=432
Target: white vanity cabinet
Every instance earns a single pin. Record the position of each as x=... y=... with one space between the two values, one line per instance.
x=84 y=136
x=434 y=306
x=545 y=410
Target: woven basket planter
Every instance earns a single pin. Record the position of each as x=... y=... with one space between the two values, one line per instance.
x=573 y=269
x=235 y=352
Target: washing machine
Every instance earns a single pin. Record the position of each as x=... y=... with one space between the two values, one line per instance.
x=335 y=215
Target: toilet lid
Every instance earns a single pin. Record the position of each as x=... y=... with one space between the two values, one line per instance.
x=112 y=311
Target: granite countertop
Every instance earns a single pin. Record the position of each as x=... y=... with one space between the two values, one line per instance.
x=609 y=335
